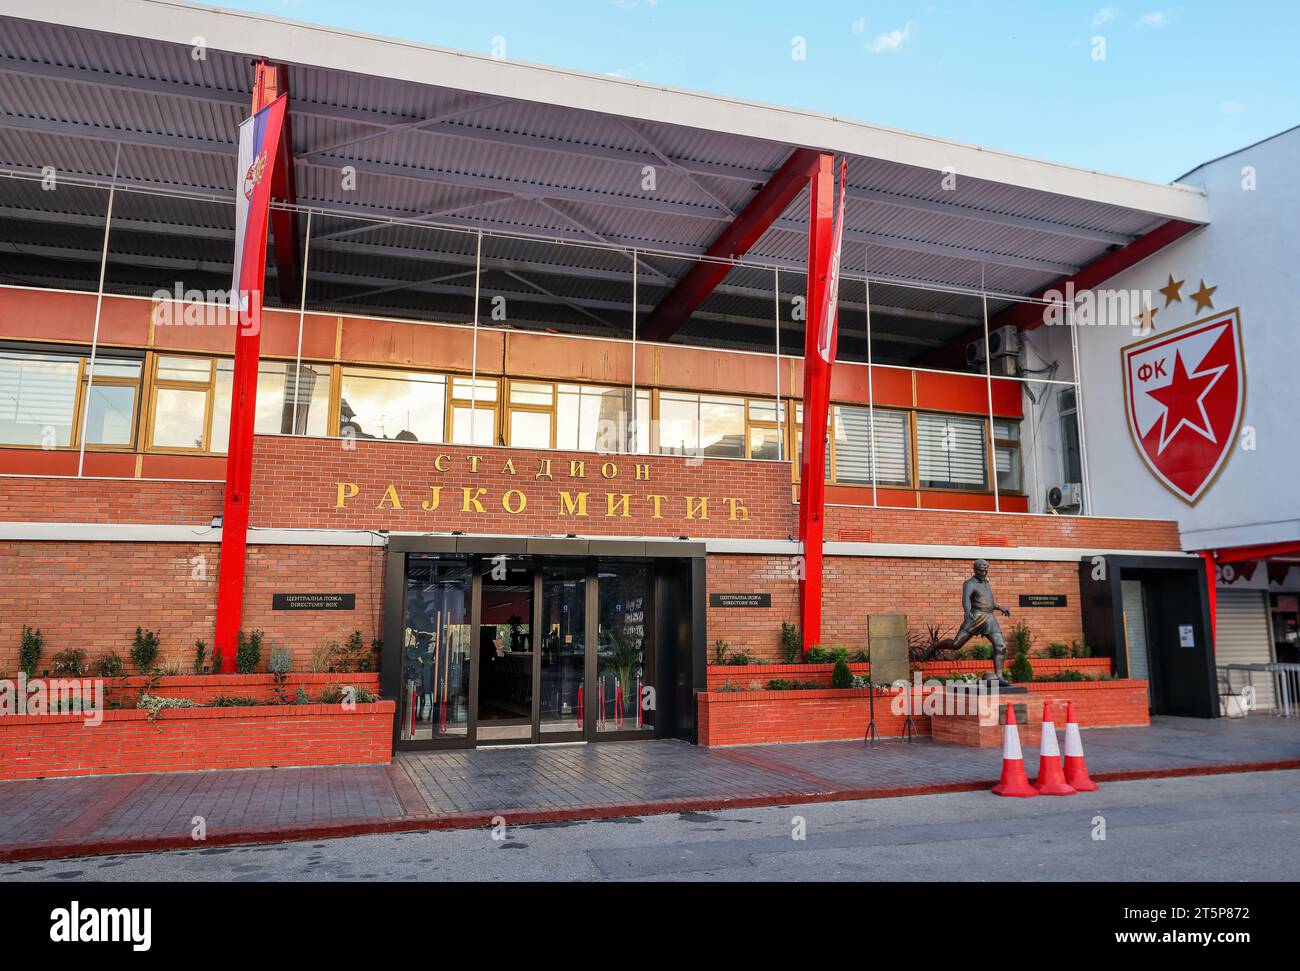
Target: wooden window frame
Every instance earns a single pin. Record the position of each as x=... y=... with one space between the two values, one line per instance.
x=478 y=405
x=510 y=408
x=210 y=394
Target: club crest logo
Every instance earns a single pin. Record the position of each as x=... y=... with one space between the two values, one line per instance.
x=1185 y=392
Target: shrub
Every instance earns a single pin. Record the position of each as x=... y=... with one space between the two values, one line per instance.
x=351 y=656
x=233 y=701
x=1021 y=669
x=320 y=657
x=1057 y=650
x=781 y=684
x=863 y=656
x=248 y=652
x=170 y=670
x=70 y=663
x=300 y=698
x=1080 y=648
x=1021 y=638
x=110 y=665
x=817 y=654
x=216 y=659
x=1067 y=675
x=729 y=686
x=331 y=694
x=144 y=650
x=791 y=643
x=29 y=651
x=280 y=664
x=200 y=655
x=741 y=658
x=841 y=677
x=720 y=648
x=156 y=705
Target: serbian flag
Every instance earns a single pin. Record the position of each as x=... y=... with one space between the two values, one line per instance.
x=259 y=142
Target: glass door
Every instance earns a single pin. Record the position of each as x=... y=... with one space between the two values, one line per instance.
x=562 y=651
x=505 y=651
x=436 y=656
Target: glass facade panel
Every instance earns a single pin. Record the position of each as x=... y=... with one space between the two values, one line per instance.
x=110 y=414
x=564 y=648
x=180 y=416
x=530 y=429
x=951 y=452
x=436 y=652
x=764 y=443
x=38 y=394
x=853 y=446
x=625 y=662
x=396 y=405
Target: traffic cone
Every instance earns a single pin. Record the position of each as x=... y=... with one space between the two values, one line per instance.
x=1014 y=782
x=1076 y=769
x=1051 y=776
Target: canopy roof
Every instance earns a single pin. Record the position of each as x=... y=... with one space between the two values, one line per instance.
x=444 y=143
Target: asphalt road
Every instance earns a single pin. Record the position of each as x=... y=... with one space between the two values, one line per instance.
x=1229 y=827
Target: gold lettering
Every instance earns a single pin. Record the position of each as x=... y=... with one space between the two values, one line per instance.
x=472 y=500
x=615 y=503
x=429 y=505
x=544 y=469
x=609 y=470
x=440 y=463
x=346 y=491
x=643 y=471
x=658 y=501
x=522 y=502
x=509 y=468
x=390 y=497
x=737 y=505
x=569 y=506
x=697 y=506
x=577 y=470
x=473 y=463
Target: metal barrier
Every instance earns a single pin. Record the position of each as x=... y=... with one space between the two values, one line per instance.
x=1286 y=682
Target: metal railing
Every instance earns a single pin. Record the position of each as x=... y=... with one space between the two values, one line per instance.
x=1286 y=682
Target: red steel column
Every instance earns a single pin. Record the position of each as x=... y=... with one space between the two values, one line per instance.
x=1212 y=594
x=816 y=402
x=239 y=457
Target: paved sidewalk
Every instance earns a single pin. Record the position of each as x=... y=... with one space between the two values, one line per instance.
x=66 y=817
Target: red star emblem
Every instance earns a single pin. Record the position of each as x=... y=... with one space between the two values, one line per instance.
x=1184 y=401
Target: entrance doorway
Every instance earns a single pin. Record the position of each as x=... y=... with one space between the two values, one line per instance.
x=521 y=648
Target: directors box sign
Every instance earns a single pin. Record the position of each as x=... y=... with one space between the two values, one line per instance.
x=313 y=601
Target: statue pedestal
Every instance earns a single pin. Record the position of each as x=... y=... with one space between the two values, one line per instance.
x=963 y=723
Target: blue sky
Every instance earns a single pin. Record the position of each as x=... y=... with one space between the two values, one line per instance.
x=1179 y=84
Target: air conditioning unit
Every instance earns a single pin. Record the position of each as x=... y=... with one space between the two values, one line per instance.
x=1005 y=341
x=1067 y=496
x=975 y=355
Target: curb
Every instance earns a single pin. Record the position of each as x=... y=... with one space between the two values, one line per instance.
x=525 y=817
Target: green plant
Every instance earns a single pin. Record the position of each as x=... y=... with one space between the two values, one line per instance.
x=863 y=656
x=70 y=663
x=729 y=686
x=331 y=694
x=720 y=648
x=233 y=701
x=200 y=655
x=110 y=665
x=781 y=684
x=1057 y=650
x=841 y=677
x=280 y=664
x=170 y=670
x=1021 y=669
x=1021 y=638
x=29 y=651
x=791 y=643
x=1068 y=675
x=300 y=698
x=321 y=655
x=625 y=659
x=741 y=658
x=1080 y=648
x=248 y=652
x=216 y=660
x=144 y=650
x=352 y=656
x=156 y=705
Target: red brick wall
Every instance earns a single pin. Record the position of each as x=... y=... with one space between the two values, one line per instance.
x=760 y=717
x=927 y=591
x=50 y=746
x=94 y=595
x=204 y=688
x=750 y=675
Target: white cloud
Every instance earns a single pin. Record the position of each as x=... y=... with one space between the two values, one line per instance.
x=859 y=25
x=1156 y=18
x=891 y=41
x=1104 y=16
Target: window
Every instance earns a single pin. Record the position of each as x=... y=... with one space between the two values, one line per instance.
x=596 y=419
x=764 y=431
x=951 y=452
x=474 y=411
x=1067 y=405
x=853 y=447
x=697 y=424
x=1006 y=455
x=184 y=388
x=43 y=396
x=397 y=405
x=532 y=414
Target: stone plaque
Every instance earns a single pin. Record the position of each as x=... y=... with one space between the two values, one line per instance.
x=313 y=601
x=887 y=641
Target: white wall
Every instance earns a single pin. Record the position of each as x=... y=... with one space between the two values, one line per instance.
x=1251 y=252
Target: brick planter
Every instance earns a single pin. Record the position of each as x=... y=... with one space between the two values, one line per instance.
x=830 y=714
x=203 y=688
x=754 y=677
x=184 y=739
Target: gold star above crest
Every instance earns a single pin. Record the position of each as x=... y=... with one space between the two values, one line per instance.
x=1172 y=290
x=1203 y=297
x=1147 y=319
